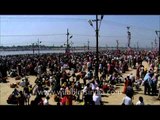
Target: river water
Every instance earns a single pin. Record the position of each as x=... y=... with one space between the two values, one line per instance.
x=4 y=53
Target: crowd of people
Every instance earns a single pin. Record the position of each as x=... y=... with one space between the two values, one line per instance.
x=73 y=77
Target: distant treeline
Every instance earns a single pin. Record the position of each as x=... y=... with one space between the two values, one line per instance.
x=43 y=47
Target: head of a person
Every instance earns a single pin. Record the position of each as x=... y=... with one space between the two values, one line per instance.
x=141 y=99
x=21 y=92
x=88 y=85
x=47 y=97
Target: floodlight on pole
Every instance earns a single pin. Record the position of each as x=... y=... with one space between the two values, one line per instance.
x=68 y=38
x=129 y=36
x=100 y=21
x=39 y=46
x=102 y=17
x=90 y=22
x=97 y=35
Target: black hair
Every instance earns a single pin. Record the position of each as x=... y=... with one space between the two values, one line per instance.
x=47 y=97
x=141 y=99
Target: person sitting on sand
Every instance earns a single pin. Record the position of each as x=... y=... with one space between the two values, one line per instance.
x=127 y=101
x=140 y=102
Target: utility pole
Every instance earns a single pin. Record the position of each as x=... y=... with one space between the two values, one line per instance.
x=137 y=46
x=151 y=45
x=117 y=44
x=33 y=47
x=68 y=45
x=155 y=42
x=129 y=36
x=67 y=49
x=88 y=45
x=39 y=46
x=97 y=35
x=158 y=35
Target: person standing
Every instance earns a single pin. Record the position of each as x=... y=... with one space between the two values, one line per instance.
x=147 y=80
x=125 y=85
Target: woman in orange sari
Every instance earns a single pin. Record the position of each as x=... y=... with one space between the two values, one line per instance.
x=125 y=85
x=68 y=97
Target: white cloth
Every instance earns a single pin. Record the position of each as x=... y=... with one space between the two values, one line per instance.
x=97 y=99
x=85 y=89
x=127 y=100
x=23 y=83
x=93 y=86
x=140 y=103
x=45 y=102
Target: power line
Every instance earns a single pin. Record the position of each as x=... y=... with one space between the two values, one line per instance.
x=85 y=35
x=31 y=35
x=51 y=18
x=41 y=19
x=132 y=26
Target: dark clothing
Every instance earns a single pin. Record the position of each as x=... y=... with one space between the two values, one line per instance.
x=147 y=88
x=130 y=92
x=88 y=98
x=21 y=100
x=154 y=87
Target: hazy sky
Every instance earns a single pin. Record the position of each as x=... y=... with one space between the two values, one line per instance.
x=25 y=30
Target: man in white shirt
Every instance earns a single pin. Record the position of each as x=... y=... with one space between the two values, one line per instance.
x=97 y=98
x=127 y=101
x=140 y=102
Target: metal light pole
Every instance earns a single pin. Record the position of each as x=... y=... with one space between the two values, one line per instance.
x=155 y=42
x=67 y=41
x=84 y=47
x=129 y=36
x=68 y=37
x=97 y=34
x=88 y=45
x=117 y=44
x=158 y=35
x=33 y=47
x=151 y=45
x=137 y=46
x=39 y=46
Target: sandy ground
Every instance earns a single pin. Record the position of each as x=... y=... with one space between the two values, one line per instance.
x=108 y=99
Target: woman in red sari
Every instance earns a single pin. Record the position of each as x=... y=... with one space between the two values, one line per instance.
x=67 y=99
x=125 y=85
